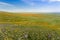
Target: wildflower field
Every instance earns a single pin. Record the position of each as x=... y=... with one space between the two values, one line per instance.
x=29 y=26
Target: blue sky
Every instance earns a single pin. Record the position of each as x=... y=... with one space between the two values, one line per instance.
x=30 y=5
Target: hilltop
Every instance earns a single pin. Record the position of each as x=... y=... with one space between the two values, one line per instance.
x=29 y=18
x=5 y=16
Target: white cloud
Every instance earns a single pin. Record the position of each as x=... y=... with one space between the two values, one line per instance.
x=5 y=4
x=7 y=7
x=11 y=8
x=39 y=0
x=54 y=0
x=31 y=2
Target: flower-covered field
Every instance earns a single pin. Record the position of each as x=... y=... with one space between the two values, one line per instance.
x=29 y=26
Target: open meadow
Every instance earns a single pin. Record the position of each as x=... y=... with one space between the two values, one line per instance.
x=29 y=26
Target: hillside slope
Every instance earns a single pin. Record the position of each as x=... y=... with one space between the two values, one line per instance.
x=28 y=26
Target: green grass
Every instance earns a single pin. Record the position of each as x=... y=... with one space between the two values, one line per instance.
x=15 y=26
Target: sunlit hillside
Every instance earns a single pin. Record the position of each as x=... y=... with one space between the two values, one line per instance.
x=29 y=26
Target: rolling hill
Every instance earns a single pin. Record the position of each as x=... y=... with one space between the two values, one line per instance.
x=16 y=26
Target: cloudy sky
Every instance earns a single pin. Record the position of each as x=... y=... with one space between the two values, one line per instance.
x=30 y=5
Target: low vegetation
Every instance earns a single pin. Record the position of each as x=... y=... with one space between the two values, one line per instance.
x=28 y=26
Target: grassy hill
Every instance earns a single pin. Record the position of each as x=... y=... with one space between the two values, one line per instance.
x=29 y=26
